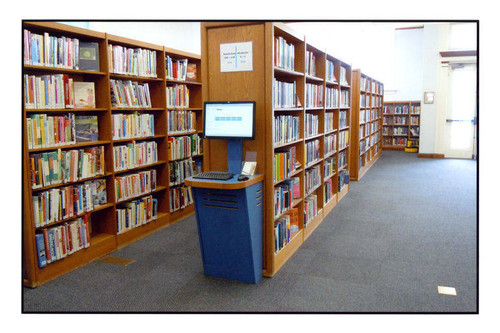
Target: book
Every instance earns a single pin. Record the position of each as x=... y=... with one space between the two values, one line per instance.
x=89 y=56
x=86 y=128
x=191 y=72
x=294 y=221
x=40 y=249
x=84 y=94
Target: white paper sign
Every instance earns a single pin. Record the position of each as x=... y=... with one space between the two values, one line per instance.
x=236 y=57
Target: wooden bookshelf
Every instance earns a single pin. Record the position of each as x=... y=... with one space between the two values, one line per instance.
x=259 y=85
x=401 y=124
x=104 y=236
x=366 y=123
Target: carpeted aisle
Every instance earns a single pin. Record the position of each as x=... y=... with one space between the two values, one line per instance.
x=406 y=228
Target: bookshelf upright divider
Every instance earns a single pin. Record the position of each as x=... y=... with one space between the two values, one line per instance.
x=366 y=123
x=131 y=129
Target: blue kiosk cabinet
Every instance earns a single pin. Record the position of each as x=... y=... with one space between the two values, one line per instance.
x=229 y=218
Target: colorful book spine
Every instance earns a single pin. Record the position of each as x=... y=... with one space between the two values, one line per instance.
x=343 y=139
x=312 y=179
x=130 y=61
x=180 y=198
x=50 y=51
x=284 y=94
x=176 y=69
x=180 y=170
x=330 y=143
x=286 y=129
x=184 y=146
x=311 y=124
x=284 y=54
x=314 y=95
x=312 y=151
x=331 y=97
x=48 y=91
x=134 y=155
x=181 y=121
x=310 y=208
x=129 y=126
x=45 y=131
x=135 y=213
x=344 y=98
x=129 y=94
x=177 y=96
x=284 y=163
x=133 y=185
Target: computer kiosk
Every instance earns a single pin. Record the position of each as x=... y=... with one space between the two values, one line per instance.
x=229 y=213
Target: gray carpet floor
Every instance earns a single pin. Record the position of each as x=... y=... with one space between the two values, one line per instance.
x=407 y=227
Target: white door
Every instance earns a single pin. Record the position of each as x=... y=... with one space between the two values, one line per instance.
x=461 y=113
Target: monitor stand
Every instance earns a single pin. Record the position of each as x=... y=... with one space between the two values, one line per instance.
x=234 y=155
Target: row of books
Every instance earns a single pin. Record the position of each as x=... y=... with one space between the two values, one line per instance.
x=314 y=95
x=177 y=96
x=51 y=51
x=129 y=94
x=310 y=208
x=136 y=184
x=372 y=139
x=310 y=63
x=286 y=129
x=330 y=143
x=343 y=139
x=414 y=120
x=400 y=120
x=415 y=131
x=132 y=61
x=343 y=119
x=344 y=98
x=179 y=69
x=368 y=115
x=134 y=155
x=53 y=244
x=135 y=125
x=400 y=130
x=342 y=159
x=312 y=151
x=184 y=146
x=283 y=197
x=57 y=91
x=331 y=97
x=181 y=121
x=58 y=167
x=343 y=178
x=135 y=213
x=399 y=141
x=343 y=76
x=329 y=190
x=44 y=131
x=284 y=163
x=415 y=109
x=180 y=198
x=329 y=166
x=284 y=54
x=284 y=94
x=311 y=124
x=312 y=179
x=388 y=120
x=401 y=109
x=285 y=228
x=330 y=71
x=61 y=203
x=329 y=122
x=180 y=170
x=362 y=148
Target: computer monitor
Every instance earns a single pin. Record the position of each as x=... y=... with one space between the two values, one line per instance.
x=229 y=120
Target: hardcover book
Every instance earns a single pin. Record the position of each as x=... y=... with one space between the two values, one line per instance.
x=191 y=72
x=86 y=128
x=84 y=94
x=89 y=56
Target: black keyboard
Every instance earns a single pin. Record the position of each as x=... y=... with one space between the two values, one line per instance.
x=217 y=175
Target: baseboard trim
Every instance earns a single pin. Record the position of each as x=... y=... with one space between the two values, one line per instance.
x=431 y=155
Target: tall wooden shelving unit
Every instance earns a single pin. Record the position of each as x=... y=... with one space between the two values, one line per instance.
x=104 y=237
x=401 y=123
x=257 y=85
x=366 y=123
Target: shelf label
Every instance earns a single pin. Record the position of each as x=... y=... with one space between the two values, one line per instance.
x=236 y=57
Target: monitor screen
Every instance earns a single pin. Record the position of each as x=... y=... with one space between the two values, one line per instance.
x=229 y=120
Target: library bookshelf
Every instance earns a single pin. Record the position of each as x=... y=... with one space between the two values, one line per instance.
x=142 y=132
x=401 y=124
x=303 y=125
x=366 y=123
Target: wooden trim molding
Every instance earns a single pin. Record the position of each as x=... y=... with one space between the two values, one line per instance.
x=469 y=53
x=431 y=155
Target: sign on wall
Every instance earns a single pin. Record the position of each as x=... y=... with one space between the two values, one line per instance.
x=236 y=57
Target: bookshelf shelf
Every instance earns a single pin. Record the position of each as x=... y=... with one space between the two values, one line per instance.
x=399 y=115
x=366 y=123
x=102 y=219
x=307 y=77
